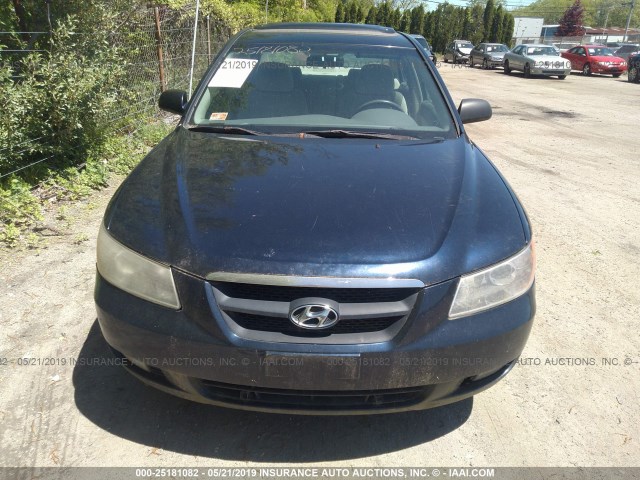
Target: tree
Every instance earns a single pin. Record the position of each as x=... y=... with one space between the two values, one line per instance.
x=395 y=18
x=476 y=24
x=496 y=25
x=488 y=20
x=371 y=16
x=466 y=24
x=427 y=27
x=405 y=21
x=353 y=13
x=383 y=15
x=571 y=21
x=507 y=28
x=417 y=20
x=339 y=13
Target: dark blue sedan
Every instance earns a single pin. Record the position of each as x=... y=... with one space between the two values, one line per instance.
x=318 y=235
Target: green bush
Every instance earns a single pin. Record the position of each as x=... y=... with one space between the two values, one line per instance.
x=58 y=105
x=20 y=206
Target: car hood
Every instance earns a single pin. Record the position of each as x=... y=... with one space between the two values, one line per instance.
x=496 y=54
x=318 y=207
x=604 y=58
x=464 y=50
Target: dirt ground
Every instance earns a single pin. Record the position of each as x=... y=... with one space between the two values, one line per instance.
x=570 y=149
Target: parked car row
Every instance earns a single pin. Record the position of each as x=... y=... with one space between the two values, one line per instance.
x=541 y=59
x=538 y=59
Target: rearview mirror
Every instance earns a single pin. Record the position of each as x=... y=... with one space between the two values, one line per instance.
x=174 y=101
x=474 y=110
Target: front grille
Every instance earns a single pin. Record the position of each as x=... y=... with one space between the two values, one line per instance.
x=313 y=399
x=367 y=314
x=275 y=293
x=263 y=323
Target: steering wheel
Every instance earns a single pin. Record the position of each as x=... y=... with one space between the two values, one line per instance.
x=384 y=103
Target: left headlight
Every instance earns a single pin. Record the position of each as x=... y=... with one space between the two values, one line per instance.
x=495 y=285
x=135 y=274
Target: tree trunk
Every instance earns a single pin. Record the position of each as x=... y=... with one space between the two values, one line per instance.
x=22 y=19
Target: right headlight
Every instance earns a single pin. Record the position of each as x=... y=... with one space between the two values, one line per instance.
x=135 y=274
x=494 y=285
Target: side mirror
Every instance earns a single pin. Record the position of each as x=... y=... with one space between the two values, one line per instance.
x=174 y=101
x=474 y=110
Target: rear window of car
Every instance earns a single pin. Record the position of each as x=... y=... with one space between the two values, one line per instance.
x=309 y=82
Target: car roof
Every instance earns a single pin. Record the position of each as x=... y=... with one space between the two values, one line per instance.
x=535 y=45
x=329 y=33
x=325 y=26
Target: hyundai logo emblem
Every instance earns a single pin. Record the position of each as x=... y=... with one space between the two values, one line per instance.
x=314 y=316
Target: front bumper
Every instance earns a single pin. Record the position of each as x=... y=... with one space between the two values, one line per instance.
x=432 y=361
x=550 y=72
x=608 y=69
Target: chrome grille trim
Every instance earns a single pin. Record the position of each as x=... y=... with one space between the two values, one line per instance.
x=302 y=281
x=374 y=310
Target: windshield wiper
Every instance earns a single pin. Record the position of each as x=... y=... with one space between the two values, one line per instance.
x=356 y=134
x=229 y=130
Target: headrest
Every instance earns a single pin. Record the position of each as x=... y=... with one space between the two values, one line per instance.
x=296 y=73
x=375 y=79
x=272 y=77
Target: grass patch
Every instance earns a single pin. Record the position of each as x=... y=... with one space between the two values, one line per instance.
x=21 y=204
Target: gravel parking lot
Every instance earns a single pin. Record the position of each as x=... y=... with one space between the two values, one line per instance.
x=571 y=151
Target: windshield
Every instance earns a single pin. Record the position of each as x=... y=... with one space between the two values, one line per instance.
x=306 y=84
x=600 y=52
x=464 y=45
x=497 y=48
x=542 y=51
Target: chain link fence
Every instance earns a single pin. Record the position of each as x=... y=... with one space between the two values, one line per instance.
x=154 y=45
x=158 y=43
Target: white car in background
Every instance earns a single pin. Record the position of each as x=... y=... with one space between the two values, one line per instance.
x=536 y=59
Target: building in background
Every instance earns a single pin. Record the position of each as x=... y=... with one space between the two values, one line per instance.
x=527 y=29
x=612 y=36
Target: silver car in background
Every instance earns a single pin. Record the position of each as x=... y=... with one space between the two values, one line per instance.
x=489 y=55
x=536 y=59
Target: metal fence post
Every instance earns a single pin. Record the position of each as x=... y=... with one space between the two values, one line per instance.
x=163 y=86
x=208 y=38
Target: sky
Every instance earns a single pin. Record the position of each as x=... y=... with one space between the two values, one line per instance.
x=511 y=4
